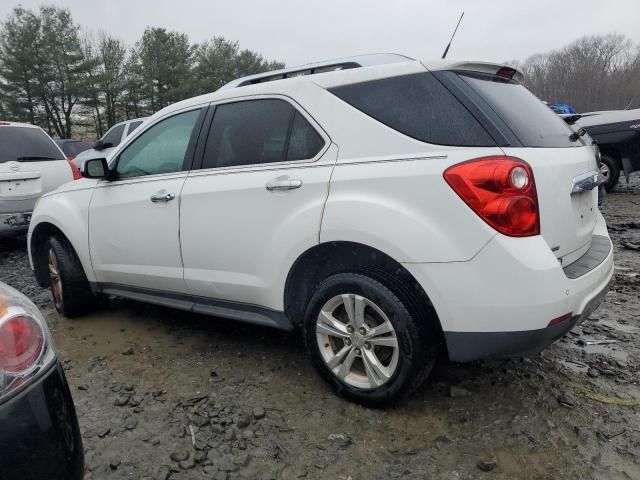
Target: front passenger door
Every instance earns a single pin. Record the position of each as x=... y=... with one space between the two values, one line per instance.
x=134 y=218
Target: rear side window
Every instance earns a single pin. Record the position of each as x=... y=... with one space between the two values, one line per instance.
x=24 y=144
x=304 y=142
x=419 y=106
x=114 y=136
x=534 y=123
x=256 y=132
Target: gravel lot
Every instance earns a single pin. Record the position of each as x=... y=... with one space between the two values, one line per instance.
x=164 y=394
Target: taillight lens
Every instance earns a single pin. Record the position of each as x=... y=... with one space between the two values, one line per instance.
x=21 y=344
x=74 y=169
x=501 y=190
x=26 y=347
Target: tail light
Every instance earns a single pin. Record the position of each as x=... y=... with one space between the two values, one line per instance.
x=501 y=190
x=21 y=344
x=74 y=169
x=26 y=349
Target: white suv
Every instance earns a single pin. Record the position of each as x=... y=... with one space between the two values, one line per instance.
x=30 y=164
x=389 y=210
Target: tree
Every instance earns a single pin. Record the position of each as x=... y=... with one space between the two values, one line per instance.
x=20 y=39
x=63 y=69
x=219 y=61
x=592 y=73
x=165 y=59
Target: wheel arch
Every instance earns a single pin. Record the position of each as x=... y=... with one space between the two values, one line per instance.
x=330 y=258
x=38 y=249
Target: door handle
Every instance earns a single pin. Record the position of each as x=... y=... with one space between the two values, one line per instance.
x=162 y=197
x=283 y=184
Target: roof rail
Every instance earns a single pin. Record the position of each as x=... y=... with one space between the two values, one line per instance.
x=319 y=67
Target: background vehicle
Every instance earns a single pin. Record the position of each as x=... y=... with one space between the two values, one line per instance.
x=71 y=148
x=39 y=433
x=367 y=206
x=30 y=164
x=562 y=108
x=617 y=134
x=109 y=141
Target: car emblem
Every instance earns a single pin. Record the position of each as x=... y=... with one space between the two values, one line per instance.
x=14 y=166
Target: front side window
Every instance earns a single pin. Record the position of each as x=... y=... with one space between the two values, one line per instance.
x=257 y=132
x=114 y=135
x=160 y=149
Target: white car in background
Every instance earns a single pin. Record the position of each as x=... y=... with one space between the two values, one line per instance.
x=31 y=164
x=387 y=207
x=109 y=141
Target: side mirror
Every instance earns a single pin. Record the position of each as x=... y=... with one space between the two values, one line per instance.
x=95 y=168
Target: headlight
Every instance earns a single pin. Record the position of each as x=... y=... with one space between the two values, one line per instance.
x=26 y=347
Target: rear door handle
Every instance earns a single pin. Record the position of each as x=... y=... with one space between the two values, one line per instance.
x=283 y=184
x=162 y=197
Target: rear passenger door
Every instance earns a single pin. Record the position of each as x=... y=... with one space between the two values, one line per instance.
x=255 y=202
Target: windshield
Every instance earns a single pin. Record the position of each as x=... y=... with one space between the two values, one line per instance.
x=24 y=144
x=534 y=123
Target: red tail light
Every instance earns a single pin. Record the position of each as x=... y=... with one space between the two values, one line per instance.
x=21 y=344
x=75 y=170
x=501 y=190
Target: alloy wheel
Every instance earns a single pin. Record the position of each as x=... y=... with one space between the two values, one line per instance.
x=357 y=341
x=54 y=276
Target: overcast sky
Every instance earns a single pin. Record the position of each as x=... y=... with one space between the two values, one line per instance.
x=301 y=31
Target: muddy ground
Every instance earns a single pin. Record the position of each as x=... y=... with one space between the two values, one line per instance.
x=164 y=394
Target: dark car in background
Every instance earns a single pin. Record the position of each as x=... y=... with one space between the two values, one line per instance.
x=617 y=134
x=39 y=433
x=72 y=147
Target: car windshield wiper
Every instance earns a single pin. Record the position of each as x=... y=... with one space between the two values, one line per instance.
x=34 y=158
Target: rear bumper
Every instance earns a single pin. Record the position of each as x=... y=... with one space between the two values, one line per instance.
x=500 y=303
x=468 y=346
x=14 y=223
x=39 y=434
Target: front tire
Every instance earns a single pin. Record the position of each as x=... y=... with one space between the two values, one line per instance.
x=611 y=171
x=69 y=286
x=366 y=341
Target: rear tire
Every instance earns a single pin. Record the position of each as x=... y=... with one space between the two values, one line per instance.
x=611 y=172
x=379 y=358
x=69 y=286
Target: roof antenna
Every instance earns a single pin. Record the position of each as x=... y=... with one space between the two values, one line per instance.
x=446 y=50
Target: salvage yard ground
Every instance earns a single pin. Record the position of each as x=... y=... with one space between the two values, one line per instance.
x=164 y=394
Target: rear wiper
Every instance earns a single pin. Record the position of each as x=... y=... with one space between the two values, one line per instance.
x=33 y=158
x=577 y=134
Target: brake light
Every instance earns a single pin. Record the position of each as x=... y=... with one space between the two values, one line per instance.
x=501 y=190
x=21 y=344
x=74 y=169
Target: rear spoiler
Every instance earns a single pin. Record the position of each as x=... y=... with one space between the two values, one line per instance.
x=501 y=70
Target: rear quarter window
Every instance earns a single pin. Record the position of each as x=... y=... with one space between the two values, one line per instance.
x=27 y=144
x=419 y=106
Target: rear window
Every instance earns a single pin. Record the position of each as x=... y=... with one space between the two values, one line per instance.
x=24 y=144
x=534 y=123
x=419 y=106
